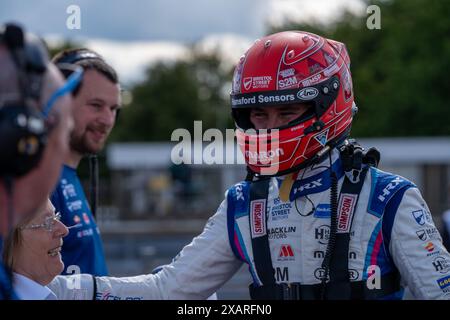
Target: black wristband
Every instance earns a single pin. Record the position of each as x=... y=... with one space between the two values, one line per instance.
x=94 y=283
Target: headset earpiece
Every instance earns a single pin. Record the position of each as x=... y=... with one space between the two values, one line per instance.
x=23 y=137
x=23 y=131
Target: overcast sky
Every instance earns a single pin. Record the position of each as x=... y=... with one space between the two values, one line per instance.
x=147 y=30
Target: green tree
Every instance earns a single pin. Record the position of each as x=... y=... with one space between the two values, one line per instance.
x=173 y=96
x=400 y=71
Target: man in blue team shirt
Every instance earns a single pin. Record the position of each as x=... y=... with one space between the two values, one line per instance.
x=35 y=121
x=96 y=103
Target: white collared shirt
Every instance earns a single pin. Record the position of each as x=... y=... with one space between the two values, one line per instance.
x=27 y=289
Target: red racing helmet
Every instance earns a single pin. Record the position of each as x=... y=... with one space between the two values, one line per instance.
x=289 y=68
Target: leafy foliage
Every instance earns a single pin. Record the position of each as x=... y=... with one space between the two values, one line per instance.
x=399 y=75
x=174 y=96
x=399 y=72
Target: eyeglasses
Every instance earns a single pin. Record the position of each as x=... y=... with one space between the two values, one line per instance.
x=48 y=224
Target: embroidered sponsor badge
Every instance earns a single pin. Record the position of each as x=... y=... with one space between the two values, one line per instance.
x=258 y=218
x=346 y=209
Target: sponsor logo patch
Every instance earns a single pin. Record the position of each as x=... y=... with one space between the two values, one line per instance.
x=281 y=211
x=280 y=232
x=308 y=186
x=422 y=235
x=319 y=274
x=388 y=189
x=441 y=264
x=322 y=234
x=286 y=83
x=311 y=81
x=258 y=219
x=346 y=209
x=330 y=70
x=109 y=296
x=353 y=274
x=428 y=233
x=239 y=193
x=287 y=73
x=74 y=205
x=257 y=82
x=247 y=83
x=322 y=211
x=318 y=254
x=322 y=137
x=286 y=253
x=419 y=216
x=85 y=233
x=443 y=282
x=68 y=191
x=264 y=156
x=431 y=249
x=282 y=274
x=86 y=218
x=429 y=246
x=262 y=98
x=307 y=94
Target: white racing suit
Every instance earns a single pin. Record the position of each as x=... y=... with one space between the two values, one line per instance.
x=392 y=230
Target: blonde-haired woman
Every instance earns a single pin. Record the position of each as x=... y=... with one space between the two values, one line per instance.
x=32 y=252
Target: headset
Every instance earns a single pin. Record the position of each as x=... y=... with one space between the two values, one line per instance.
x=64 y=63
x=23 y=130
x=23 y=127
x=78 y=55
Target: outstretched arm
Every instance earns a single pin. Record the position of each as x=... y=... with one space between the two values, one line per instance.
x=199 y=270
